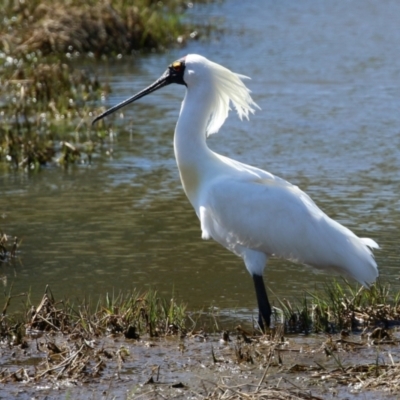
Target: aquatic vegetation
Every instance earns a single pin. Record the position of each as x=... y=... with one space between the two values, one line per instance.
x=8 y=247
x=343 y=306
x=47 y=101
x=132 y=314
x=98 y=28
x=42 y=105
x=145 y=338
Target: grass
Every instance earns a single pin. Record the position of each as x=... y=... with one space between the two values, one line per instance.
x=91 y=341
x=69 y=330
x=93 y=27
x=46 y=102
x=339 y=307
x=63 y=342
x=342 y=306
x=131 y=314
x=45 y=107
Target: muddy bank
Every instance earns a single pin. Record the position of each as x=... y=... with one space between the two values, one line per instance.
x=200 y=366
x=140 y=346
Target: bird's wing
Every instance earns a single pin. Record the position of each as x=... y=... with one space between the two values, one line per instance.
x=264 y=214
x=279 y=219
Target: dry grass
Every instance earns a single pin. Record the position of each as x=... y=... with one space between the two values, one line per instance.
x=87 y=343
x=70 y=332
x=46 y=102
x=91 y=343
x=96 y=27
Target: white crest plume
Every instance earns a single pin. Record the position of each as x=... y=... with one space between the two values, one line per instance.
x=228 y=88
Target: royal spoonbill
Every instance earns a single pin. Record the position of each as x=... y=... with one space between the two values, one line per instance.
x=251 y=212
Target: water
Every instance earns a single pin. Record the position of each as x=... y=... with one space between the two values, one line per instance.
x=326 y=75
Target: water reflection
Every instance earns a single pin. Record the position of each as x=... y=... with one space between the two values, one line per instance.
x=327 y=79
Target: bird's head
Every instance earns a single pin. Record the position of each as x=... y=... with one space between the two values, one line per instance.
x=194 y=71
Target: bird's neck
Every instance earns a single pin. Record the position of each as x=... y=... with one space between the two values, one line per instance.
x=191 y=151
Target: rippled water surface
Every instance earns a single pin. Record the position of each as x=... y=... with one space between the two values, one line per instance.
x=327 y=78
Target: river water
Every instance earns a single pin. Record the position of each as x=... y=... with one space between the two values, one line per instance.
x=327 y=78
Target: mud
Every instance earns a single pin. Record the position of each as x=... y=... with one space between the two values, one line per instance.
x=199 y=366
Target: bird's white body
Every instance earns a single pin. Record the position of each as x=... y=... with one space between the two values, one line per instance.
x=250 y=211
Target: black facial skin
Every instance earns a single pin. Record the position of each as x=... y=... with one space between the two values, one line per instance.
x=174 y=74
x=176 y=71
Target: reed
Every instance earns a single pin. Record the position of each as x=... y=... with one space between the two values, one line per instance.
x=47 y=102
x=342 y=306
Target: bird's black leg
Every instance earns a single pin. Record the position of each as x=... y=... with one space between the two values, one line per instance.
x=264 y=308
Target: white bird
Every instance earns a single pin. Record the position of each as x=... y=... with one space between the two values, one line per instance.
x=251 y=212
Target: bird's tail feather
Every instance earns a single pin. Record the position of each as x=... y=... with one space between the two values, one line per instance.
x=365 y=269
x=370 y=243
